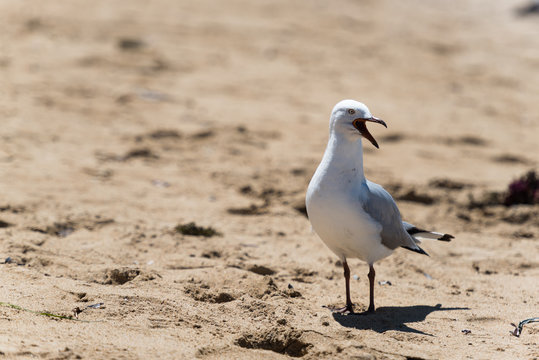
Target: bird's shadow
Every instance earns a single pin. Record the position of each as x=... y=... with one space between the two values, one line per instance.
x=391 y=318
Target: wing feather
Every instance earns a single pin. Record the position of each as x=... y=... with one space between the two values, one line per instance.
x=379 y=204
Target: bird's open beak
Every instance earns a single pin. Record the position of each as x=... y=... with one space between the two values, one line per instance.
x=360 y=125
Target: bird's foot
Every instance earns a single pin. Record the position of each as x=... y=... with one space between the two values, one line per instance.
x=369 y=311
x=346 y=310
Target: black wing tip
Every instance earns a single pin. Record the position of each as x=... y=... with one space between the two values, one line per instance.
x=418 y=250
x=446 y=237
x=414 y=230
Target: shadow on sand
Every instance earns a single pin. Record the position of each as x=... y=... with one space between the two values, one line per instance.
x=391 y=318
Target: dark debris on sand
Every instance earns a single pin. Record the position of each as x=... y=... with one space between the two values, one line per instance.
x=524 y=190
x=192 y=229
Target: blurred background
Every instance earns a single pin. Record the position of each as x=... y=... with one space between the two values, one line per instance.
x=122 y=121
x=429 y=68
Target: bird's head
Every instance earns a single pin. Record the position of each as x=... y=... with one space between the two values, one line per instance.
x=349 y=118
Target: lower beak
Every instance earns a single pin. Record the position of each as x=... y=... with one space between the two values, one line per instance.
x=360 y=125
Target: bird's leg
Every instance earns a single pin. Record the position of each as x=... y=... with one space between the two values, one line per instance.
x=349 y=306
x=371 y=287
x=348 y=309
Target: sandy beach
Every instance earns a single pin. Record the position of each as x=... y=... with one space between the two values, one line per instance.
x=154 y=159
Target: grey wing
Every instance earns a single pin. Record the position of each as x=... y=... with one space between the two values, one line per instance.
x=382 y=208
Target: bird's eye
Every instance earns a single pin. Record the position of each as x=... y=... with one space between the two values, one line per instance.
x=351 y=111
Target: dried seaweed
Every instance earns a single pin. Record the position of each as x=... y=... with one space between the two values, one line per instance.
x=524 y=190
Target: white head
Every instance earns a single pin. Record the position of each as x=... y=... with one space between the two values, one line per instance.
x=348 y=119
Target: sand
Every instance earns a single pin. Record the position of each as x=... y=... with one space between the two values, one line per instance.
x=122 y=120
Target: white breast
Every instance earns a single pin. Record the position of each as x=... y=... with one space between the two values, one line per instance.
x=338 y=218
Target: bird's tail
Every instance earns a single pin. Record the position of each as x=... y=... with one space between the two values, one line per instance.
x=417 y=234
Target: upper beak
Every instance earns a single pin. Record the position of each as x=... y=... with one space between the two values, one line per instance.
x=359 y=124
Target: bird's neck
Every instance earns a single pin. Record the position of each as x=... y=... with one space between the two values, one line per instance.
x=346 y=155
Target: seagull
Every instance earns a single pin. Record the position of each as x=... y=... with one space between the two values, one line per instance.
x=353 y=216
